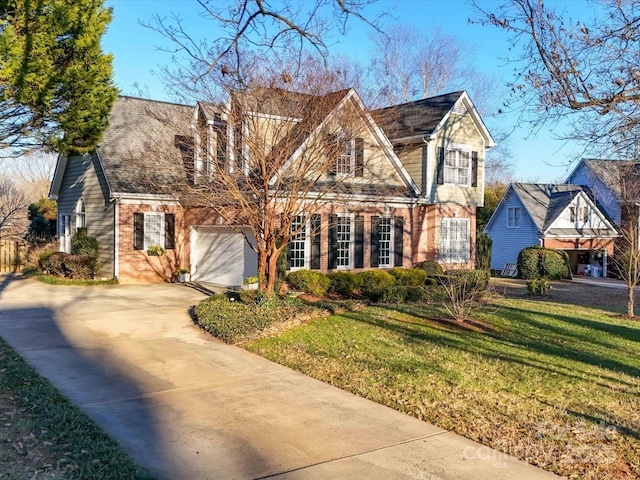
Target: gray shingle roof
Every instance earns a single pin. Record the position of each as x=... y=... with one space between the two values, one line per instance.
x=545 y=202
x=139 y=145
x=415 y=118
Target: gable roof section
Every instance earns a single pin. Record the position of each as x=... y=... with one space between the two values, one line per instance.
x=139 y=130
x=332 y=103
x=423 y=118
x=544 y=203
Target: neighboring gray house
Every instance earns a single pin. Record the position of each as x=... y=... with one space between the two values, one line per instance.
x=605 y=179
x=561 y=216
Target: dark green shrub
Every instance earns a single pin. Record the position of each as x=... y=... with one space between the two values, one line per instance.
x=313 y=283
x=430 y=282
x=83 y=244
x=432 y=268
x=343 y=283
x=415 y=277
x=376 y=285
x=407 y=294
x=70 y=266
x=540 y=262
x=227 y=317
x=483 y=251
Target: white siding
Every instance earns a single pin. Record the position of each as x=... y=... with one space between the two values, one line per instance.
x=607 y=199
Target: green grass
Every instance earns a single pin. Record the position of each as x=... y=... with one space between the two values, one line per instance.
x=553 y=384
x=43 y=435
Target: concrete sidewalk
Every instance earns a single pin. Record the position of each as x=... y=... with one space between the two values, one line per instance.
x=187 y=406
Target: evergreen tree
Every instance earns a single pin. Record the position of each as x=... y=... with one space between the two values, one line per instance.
x=56 y=85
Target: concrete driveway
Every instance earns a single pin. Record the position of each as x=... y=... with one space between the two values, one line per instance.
x=187 y=406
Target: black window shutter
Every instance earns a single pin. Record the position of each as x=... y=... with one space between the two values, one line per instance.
x=474 y=169
x=358 y=261
x=332 y=149
x=333 y=242
x=315 y=241
x=398 y=241
x=138 y=231
x=375 y=242
x=169 y=231
x=359 y=172
x=440 y=173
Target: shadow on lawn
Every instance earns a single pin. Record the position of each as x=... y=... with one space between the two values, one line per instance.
x=536 y=344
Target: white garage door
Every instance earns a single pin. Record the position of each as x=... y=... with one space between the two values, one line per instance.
x=223 y=257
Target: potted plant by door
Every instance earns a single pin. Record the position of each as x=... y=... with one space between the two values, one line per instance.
x=181 y=275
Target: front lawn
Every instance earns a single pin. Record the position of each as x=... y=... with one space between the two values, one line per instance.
x=557 y=385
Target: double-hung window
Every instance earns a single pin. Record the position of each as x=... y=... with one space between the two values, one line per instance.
x=153 y=228
x=513 y=217
x=298 y=243
x=346 y=162
x=344 y=240
x=385 y=242
x=457 y=166
x=455 y=240
x=348 y=157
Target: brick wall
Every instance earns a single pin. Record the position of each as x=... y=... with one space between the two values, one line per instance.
x=137 y=265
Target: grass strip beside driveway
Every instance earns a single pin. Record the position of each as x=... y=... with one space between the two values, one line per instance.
x=556 y=385
x=44 y=436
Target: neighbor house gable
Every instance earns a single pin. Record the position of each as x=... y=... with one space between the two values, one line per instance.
x=511 y=228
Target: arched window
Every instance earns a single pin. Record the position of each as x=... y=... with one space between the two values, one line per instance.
x=81 y=217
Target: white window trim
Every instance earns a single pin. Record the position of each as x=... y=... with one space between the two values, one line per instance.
x=352 y=242
x=519 y=217
x=392 y=243
x=146 y=242
x=81 y=214
x=467 y=256
x=458 y=147
x=307 y=247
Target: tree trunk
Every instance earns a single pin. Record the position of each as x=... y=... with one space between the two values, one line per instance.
x=630 y=300
x=262 y=271
x=272 y=274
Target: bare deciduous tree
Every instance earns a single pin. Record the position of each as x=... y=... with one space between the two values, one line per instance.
x=295 y=25
x=409 y=64
x=32 y=172
x=588 y=68
x=586 y=72
x=13 y=209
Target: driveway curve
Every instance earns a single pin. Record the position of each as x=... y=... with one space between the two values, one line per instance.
x=187 y=406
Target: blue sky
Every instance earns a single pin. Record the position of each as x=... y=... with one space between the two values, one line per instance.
x=138 y=54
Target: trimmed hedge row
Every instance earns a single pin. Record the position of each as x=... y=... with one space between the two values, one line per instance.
x=62 y=264
x=397 y=285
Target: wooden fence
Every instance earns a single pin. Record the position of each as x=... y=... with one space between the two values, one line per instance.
x=12 y=256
